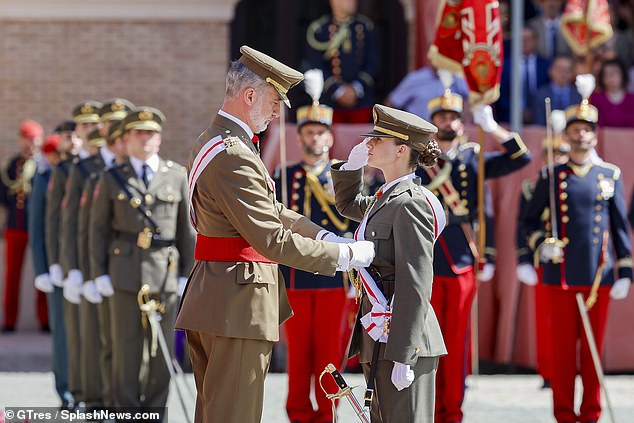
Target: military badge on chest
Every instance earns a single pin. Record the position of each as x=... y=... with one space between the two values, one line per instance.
x=606 y=187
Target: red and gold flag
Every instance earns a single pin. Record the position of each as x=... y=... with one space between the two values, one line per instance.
x=585 y=24
x=469 y=42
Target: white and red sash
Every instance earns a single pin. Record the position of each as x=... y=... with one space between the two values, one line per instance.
x=377 y=322
x=205 y=155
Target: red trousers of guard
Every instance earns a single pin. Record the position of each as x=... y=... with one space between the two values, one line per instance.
x=452 y=298
x=567 y=332
x=313 y=341
x=15 y=248
x=543 y=338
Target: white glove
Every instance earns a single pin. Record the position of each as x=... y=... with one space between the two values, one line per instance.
x=104 y=285
x=487 y=272
x=550 y=252
x=362 y=253
x=182 y=283
x=72 y=286
x=402 y=376
x=330 y=237
x=526 y=274
x=483 y=116
x=358 y=156
x=89 y=291
x=43 y=283
x=57 y=276
x=620 y=289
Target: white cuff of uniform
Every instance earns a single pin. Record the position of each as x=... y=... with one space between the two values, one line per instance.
x=321 y=234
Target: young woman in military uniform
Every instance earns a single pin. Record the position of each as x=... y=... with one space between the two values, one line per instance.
x=397 y=333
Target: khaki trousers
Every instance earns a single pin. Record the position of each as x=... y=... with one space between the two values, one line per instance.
x=414 y=404
x=229 y=374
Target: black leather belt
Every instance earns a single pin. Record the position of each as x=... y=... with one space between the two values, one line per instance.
x=155 y=241
x=386 y=287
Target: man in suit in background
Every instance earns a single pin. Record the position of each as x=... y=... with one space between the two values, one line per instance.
x=560 y=90
x=550 y=42
x=534 y=73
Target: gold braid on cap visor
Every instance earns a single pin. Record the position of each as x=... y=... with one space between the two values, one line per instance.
x=276 y=84
x=390 y=132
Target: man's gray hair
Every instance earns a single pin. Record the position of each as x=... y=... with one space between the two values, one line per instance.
x=240 y=77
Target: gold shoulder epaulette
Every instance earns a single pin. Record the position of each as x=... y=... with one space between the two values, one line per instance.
x=470 y=145
x=365 y=21
x=617 y=170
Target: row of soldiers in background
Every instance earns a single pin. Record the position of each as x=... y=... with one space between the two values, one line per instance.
x=109 y=215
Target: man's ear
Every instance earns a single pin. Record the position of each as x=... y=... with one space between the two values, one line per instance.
x=250 y=96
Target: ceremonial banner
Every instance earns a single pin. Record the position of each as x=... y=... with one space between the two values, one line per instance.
x=585 y=24
x=469 y=42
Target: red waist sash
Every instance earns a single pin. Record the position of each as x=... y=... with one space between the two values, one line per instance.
x=226 y=249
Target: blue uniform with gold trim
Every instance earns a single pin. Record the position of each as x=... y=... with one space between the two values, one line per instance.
x=590 y=201
x=310 y=193
x=452 y=254
x=346 y=52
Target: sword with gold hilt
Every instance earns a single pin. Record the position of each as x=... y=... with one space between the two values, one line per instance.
x=553 y=239
x=344 y=391
x=151 y=310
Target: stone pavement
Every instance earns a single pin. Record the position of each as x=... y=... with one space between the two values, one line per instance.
x=489 y=399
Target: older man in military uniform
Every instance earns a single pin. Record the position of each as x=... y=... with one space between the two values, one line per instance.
x=235 y=299
x=74 y=245
x=453 y=180
x=590 y=213
x=318 y=301
x=140 y=234
x=343 y=45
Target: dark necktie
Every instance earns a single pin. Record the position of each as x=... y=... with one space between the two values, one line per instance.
x=145 y=175
x=553 y=40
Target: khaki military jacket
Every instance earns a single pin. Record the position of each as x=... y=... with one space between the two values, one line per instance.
x=401 y=226
x=80 y=172
x=234 y=197
x=53 y=219
x=115 y=224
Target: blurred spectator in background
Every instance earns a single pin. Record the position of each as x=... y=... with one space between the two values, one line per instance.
x=550 y=42
x=343 y=45
x=614 y=103
x=534 y=73
x=560 y=90
x=623 y=25
x=418 y=87
x=15 y=189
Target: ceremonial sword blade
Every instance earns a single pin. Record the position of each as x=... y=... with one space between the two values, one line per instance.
x=347 y=392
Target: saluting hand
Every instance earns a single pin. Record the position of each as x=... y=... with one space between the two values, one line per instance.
x=358 y=156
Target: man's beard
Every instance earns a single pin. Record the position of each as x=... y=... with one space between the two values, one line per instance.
x=316 y=151
x=446 y=134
